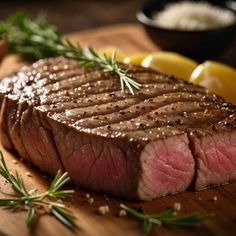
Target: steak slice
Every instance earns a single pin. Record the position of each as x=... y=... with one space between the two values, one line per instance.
x=168 y=137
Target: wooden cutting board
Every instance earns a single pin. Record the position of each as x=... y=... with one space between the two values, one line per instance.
x=131 y=39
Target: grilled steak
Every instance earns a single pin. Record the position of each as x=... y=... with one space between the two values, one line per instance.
x=170 y=136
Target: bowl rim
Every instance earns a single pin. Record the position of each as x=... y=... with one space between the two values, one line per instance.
x=144 y=19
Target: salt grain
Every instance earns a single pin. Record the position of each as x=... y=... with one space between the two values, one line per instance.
x=188 y=15
x=33 y=191
x=90 y=200
x=177 y=206
x=122 y=213
x=103 y=209
x=28 y=174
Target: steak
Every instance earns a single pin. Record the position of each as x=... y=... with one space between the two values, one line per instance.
x=171 y=136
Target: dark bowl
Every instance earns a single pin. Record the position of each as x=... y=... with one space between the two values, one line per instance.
x=198 y=44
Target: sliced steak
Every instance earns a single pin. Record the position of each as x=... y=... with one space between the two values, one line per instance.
x=215 y=153
x=171 y=135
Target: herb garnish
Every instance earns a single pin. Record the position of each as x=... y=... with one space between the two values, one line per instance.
x=35 y=202
x=166 y=217
x=36 y=39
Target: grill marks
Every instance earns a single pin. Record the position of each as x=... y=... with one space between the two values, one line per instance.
x=149 y=107
x=97 y=95
x=56 y=115
x=115 y=103
x=149 y=90
x=88 y=84
x=89 y=100
x=165 y=116
x=54 y=83
x=40 y=71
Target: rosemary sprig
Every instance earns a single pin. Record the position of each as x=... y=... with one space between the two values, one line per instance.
x=33 y=202
x=166 y=217
x=36 y=39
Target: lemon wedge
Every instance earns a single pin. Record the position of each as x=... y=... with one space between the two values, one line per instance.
x=218 y=78
x=135 y=59
x=120 y=55
x=170 y=63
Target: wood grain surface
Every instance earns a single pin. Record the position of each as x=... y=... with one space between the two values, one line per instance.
x=131 y=39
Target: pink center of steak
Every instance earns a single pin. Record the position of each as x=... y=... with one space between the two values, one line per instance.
x=101 y=167
x=93 y=163
x=38 y=143
x=215 y=158
x=167 y=167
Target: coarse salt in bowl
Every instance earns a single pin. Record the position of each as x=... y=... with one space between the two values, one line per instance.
x=190 y=32
x=193 y=16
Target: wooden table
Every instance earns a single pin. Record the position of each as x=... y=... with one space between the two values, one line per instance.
x=131 y=39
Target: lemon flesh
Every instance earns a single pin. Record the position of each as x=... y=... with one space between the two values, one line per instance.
x=171 y=64
x=108 y=51
x=135 y=59
x=218 y=78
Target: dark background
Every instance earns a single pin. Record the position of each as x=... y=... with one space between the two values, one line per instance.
x=76 y=15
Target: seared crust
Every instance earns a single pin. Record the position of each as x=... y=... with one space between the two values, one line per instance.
x=55 y=98
x=89 y=101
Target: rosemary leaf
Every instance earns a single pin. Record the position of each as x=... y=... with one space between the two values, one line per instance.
x=30 y=200
x=63 y=194
x=30 y=215
x=53 y=183
x=61 y=180
x=166 y=217
x=16 y=182
x=63 y=215
x=164 y=214
x=36 y=39
x=10 y=202
x=147 y=226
